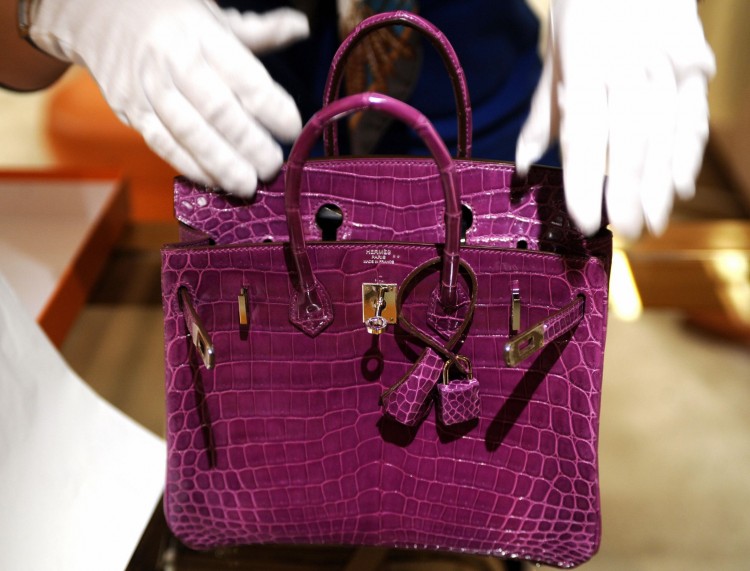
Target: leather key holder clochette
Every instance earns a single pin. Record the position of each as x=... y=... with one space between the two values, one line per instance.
x=409 y=400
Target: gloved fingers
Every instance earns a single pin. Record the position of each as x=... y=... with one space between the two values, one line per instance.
x=251 y=84
x=540 y=127
x=583 y=141
x=686 y=43
x=694 y=65
x=220 y=109
x=691 y=133
x=656 y=186
x=201 y=141
x=272 y=30
x=582 y=98
x=629 y=103
x=160 y=140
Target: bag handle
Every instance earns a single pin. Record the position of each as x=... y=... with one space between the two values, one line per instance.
x=441 y=44
x=311 y=308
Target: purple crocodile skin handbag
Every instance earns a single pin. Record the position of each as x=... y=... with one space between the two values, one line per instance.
x=429 y=378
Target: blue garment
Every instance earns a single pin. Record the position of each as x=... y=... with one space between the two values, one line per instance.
x=496 y=43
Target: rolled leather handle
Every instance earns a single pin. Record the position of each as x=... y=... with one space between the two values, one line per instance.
x=311 y=300
x=441 y=44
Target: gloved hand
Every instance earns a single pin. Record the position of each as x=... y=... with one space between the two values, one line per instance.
x=183 y=73
x=624 y=88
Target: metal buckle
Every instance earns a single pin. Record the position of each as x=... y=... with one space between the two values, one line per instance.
x=378 y=306
x=524 y=345
x=198 y=333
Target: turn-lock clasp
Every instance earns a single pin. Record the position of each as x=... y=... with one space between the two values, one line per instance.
x=378 y=306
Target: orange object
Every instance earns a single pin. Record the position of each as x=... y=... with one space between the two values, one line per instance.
x=84 y=133
x=66 y=282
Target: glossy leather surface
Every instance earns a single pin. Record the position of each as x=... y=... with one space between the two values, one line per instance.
x=409 y=400
x=505 y=210
x=440 y=43
x=459 y=401
x=293 y=183
x=284 y=440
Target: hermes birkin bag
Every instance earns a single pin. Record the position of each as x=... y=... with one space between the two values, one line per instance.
x=427 y=376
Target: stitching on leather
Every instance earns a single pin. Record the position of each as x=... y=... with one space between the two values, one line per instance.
x=364 y=244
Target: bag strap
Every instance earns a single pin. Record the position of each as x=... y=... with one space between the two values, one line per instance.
x=535 y=338
x=443 y=348
x=407 y=400
x=441 y=44
x=310 y=307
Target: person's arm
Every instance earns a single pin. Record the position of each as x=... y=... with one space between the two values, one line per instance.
x=186 y=75
x=22 y=66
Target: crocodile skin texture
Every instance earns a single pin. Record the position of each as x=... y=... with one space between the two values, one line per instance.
x=458 y=402
x=449 y=258
x=446 y=324
x=565 y=319
x=409 y=401
x=283 y=441
x=505 y=211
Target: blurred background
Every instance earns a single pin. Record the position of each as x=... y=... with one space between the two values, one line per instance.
x=675 y=428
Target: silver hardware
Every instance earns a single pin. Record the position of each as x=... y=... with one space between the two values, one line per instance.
x=515 y=308
x=465 y=362
x=524 y=345
x=378 y=306
x=198 y=334
x=242 y=306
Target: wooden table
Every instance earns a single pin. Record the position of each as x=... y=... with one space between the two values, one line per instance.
x=57 y=228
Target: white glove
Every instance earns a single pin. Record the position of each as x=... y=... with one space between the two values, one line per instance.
x=624 y=87
x=183 y=73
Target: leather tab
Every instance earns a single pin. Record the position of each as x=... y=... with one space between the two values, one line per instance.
x=535 y=338
x=446 y=323
x=311 y=311
x=408 y=401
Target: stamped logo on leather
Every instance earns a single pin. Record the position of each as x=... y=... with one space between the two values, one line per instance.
x=380 y=256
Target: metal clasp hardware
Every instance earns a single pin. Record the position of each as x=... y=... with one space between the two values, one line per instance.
x=515 y=308
x=378 y=306
x=524 y=345
x=465 y=363
x=242 y=306
x=198 y=334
